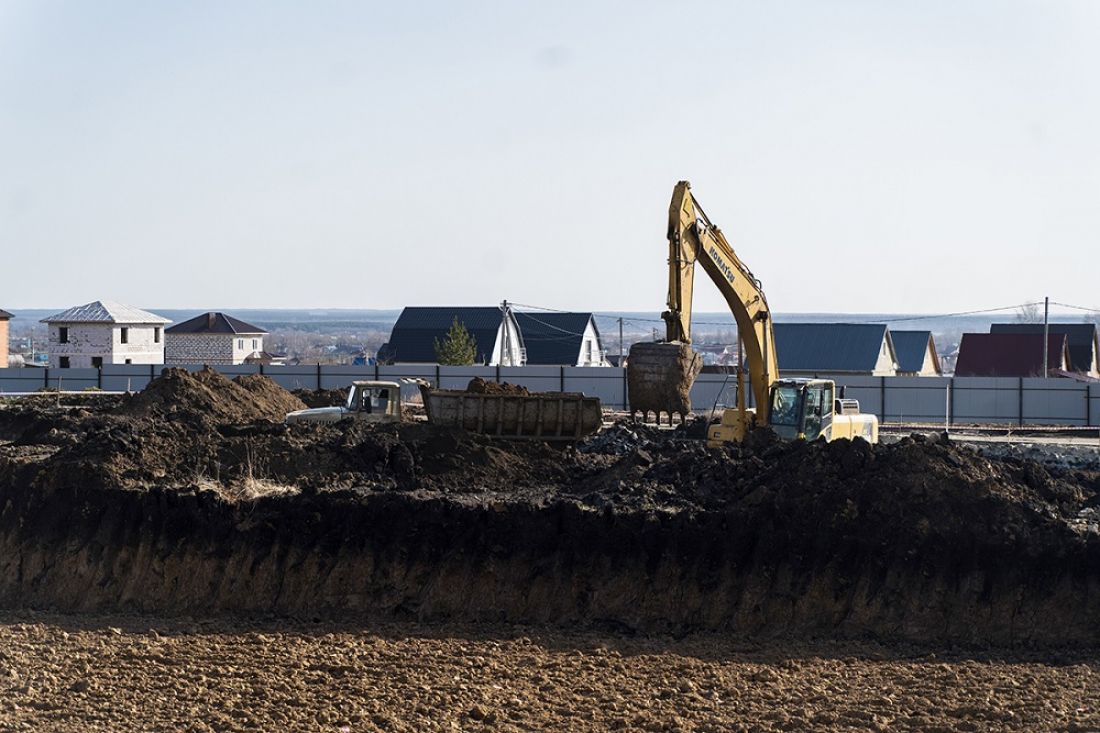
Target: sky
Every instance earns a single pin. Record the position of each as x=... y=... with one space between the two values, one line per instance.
x=861 y=156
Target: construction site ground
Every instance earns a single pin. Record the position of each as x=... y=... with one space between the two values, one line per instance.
x=179 y=559
x=86 y=674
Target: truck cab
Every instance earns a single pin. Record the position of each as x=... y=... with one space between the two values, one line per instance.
x=369 y=401
x=808 y=409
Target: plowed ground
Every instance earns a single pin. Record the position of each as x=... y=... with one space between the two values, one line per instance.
x=87 y=674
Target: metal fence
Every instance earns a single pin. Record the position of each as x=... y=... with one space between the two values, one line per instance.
x=963 y=400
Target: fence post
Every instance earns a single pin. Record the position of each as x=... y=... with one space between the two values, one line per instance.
x=99 y=378
x=498 y=373
x=882 y=397
x=561 y=378
x=626 y=403
x=318 y=376
x=46 y=378
x=438 y=378
x=1021 y=391
x=376 y=377
x=261 y=368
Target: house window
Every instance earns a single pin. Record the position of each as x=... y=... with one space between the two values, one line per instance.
x=254 y=342
x=125 y=335
x=64 y=362
x=156 y=335
x=97 y=362
x=240 y=343
x=63 y=335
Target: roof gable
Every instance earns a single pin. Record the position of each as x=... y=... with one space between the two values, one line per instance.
x=105 y=311
x=1009 y=354
x=1081 y=338
x=414 y=335
x=554 y=338
x=829 y=347
x=5 y=316
x=911 y=347
x=217 y=323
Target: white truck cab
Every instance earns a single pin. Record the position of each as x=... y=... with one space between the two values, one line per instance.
x=368 y=401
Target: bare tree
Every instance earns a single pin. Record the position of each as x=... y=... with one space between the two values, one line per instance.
x=1029 y=313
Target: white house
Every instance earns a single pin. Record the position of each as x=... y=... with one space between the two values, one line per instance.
x=497 y=336
x=104 y=332
x=215 y=338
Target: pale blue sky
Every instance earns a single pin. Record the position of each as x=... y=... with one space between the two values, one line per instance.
x=861 y=156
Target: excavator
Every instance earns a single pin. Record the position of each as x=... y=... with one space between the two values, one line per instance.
x=660 y=375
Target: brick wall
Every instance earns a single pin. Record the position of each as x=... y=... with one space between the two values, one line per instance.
x=87 y=341
x=199 y=348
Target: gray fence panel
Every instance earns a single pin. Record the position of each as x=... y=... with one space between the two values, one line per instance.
x=129 y=377
x=866 y=389
x=1055 y=401
x=293 y=377
x=239 y=370
x=607 y=383
x=458 y=377
x=22 y=380
x=1093 y=405
x=537 y=378
x=986 y=400
x=73 y=379
x=917 y=399
x=711 y=388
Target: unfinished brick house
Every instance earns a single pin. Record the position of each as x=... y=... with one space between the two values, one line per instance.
x=105 y=332
x=215 y=338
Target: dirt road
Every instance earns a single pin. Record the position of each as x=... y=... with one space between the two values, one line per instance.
x=87 y=674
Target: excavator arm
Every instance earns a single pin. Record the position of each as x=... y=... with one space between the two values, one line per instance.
x=693 y=238
x=660 y=375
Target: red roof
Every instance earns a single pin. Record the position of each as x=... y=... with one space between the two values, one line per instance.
x=1009 y=354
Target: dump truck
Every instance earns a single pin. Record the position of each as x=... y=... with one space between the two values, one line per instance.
x=660 y=375
x=499 y=412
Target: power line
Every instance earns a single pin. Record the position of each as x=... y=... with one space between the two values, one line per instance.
x=949 y=315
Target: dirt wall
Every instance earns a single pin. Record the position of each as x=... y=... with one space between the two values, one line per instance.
x=345 y=555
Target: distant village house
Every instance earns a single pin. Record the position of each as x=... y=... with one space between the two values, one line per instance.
x=504 y=337
x=811 y=349
x=916 y=353
x=495 y=331
x=1081 y=339
x=1010 y=354
x=216 y=338
x=104 y=332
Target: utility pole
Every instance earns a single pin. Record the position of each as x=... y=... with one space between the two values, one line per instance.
x=1046 y=337
x=620 y=340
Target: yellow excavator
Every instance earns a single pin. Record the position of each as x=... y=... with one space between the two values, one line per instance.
x=660 y=375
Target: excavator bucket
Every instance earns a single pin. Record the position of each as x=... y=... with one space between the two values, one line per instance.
x=659 y=378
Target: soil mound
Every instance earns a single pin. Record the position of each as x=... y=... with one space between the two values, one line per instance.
x=478 y=385
x=322 y=397
x=207 y=397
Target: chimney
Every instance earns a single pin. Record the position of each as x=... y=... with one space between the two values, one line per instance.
x=210 y=318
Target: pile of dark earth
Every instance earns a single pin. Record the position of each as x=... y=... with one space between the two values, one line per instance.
x=868 y=518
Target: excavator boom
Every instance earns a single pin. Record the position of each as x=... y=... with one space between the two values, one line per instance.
x=693 y=238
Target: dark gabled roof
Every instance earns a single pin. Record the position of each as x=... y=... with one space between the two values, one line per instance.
x=910 y=348
x=413 y=337
x=553 y=338
x=214 y=323
x=1081 y=338
x=4 y=315
x=829 y=347
x=1008 y=354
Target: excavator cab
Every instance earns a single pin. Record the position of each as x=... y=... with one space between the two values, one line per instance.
x=808 y=409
